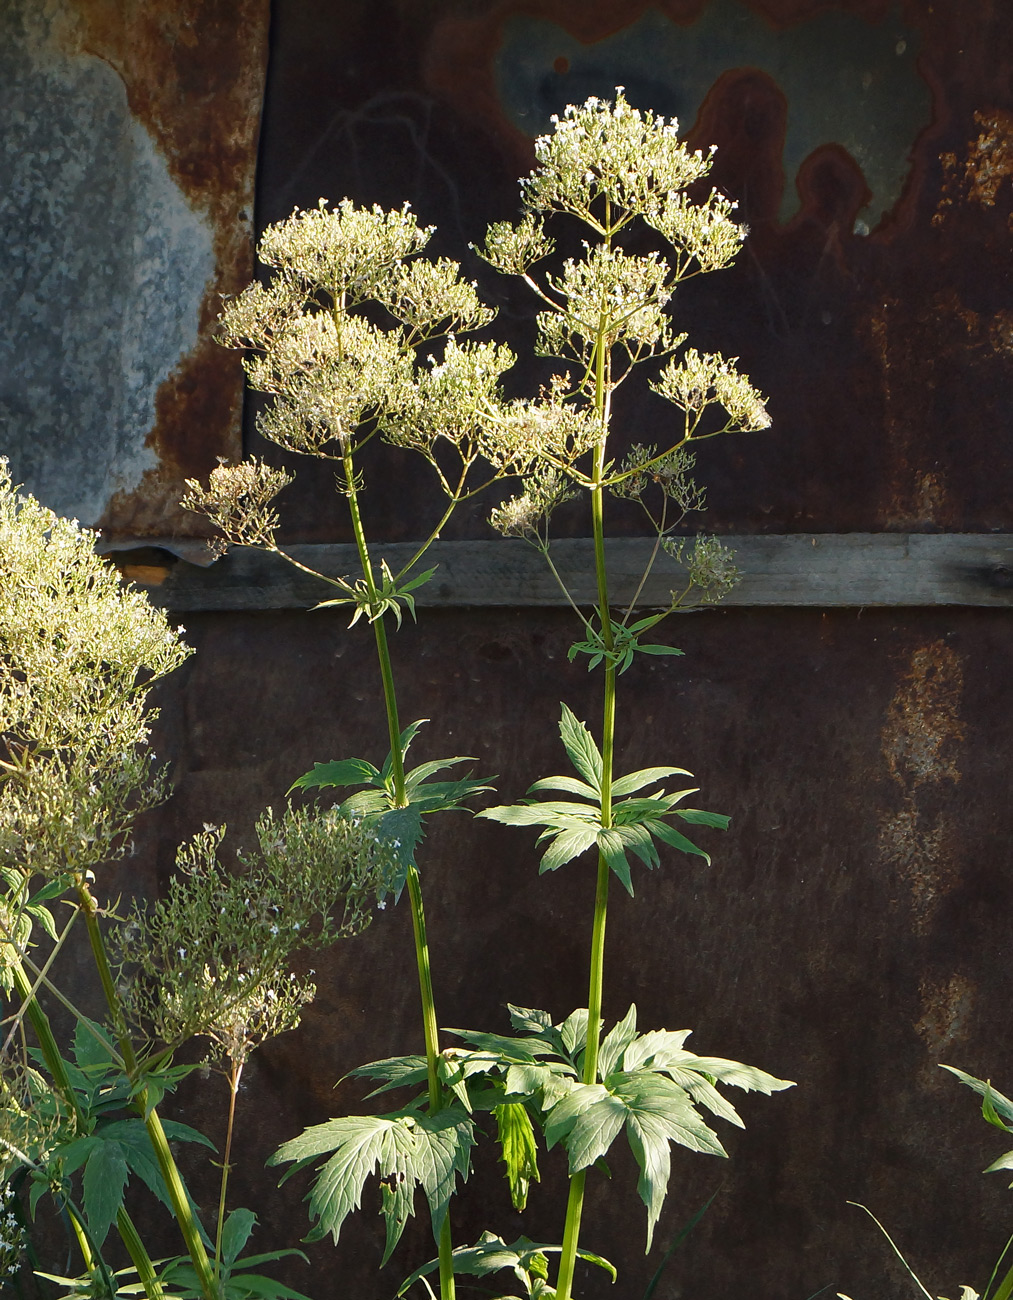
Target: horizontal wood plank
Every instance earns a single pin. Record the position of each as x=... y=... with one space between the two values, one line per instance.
x=823 y=571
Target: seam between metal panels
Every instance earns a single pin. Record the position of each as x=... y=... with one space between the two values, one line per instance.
x=817 y=570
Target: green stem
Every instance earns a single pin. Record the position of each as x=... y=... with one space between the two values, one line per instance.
x=181 y=1206
x=234 y=1077
x=430 y=1024
x=575 y=1200
x=1005 y=1289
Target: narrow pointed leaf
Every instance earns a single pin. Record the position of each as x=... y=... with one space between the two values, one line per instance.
x=341 y=771
x=747 y=1077
x=1002 y=1104
x=566 y=846
x=611 y=847
x=646 y=776
x=699 y=818
x=235 y=1234
x=561 y=1119
x=671 y=836
x=580 y=746
x=519 y=1150
x=568 y=784
x=105 y=1177
x=616 y=1041
x=407 y=736
x=654 y=1048
x=425 y=770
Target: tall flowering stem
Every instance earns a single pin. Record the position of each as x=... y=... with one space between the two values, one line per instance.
x=609 y=166
x=430 y=1023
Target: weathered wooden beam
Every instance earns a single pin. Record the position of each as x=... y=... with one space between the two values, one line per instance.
x=822 y=570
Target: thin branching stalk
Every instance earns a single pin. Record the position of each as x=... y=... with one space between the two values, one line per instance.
x=235 y=1074
x=430 y=1023
x=181 y=1206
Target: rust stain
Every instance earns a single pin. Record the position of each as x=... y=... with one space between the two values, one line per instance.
x=194 y=76
x=459 y=59
x=948 y=1005
x=990 y=158
x=907 y=342
x=989 y=162
x=923 y=729
x=921 y=745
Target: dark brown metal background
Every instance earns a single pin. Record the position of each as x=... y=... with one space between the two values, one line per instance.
x=853 y=930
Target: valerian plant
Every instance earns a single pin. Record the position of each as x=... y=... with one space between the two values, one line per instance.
x=604 y=316
x=79 y=656
x=356 y=336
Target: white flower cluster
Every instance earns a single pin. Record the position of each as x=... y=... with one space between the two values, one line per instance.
x=11 y=1235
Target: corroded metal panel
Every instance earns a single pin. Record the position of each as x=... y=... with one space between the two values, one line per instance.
x=127 y=154
x=851 y=933
x=869 y=145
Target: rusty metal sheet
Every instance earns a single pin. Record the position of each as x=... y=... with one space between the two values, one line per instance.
x=869 y=145
x=851 y=933
x=127 y=158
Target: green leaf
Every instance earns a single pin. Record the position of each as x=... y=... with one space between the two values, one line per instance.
x=529 y=1019
x=398 y=1071
x=401 y=830
x=671 y=836
x=544 y=1083
x=241 y=1285
x=45 y=918
x=659 y=1112
x=1002 y=1105
x=658 y=649
x=612 y=849
x=573 y=1031
x=74 y=1154
x=105 y=1178
x=235 y=1234
x=444 y=1151
x=588 y=1120
x=340 y=771
x=520 y=1152
x=566 y=846
x=583 y=752
x=359 y=1142
x=655 y=1048
x=491 y=1254
x=425 y=770
x=408 y=1149
x=698 y=818
x=510 y=1049
x=405 y=741
x=616 y=1041
x=418 y=581
x=1004 y=1162
x=92 y=1047
x=646 y=776
x=446 y=796
x=568 y=784
x=746 y=1077
x=365 y=803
